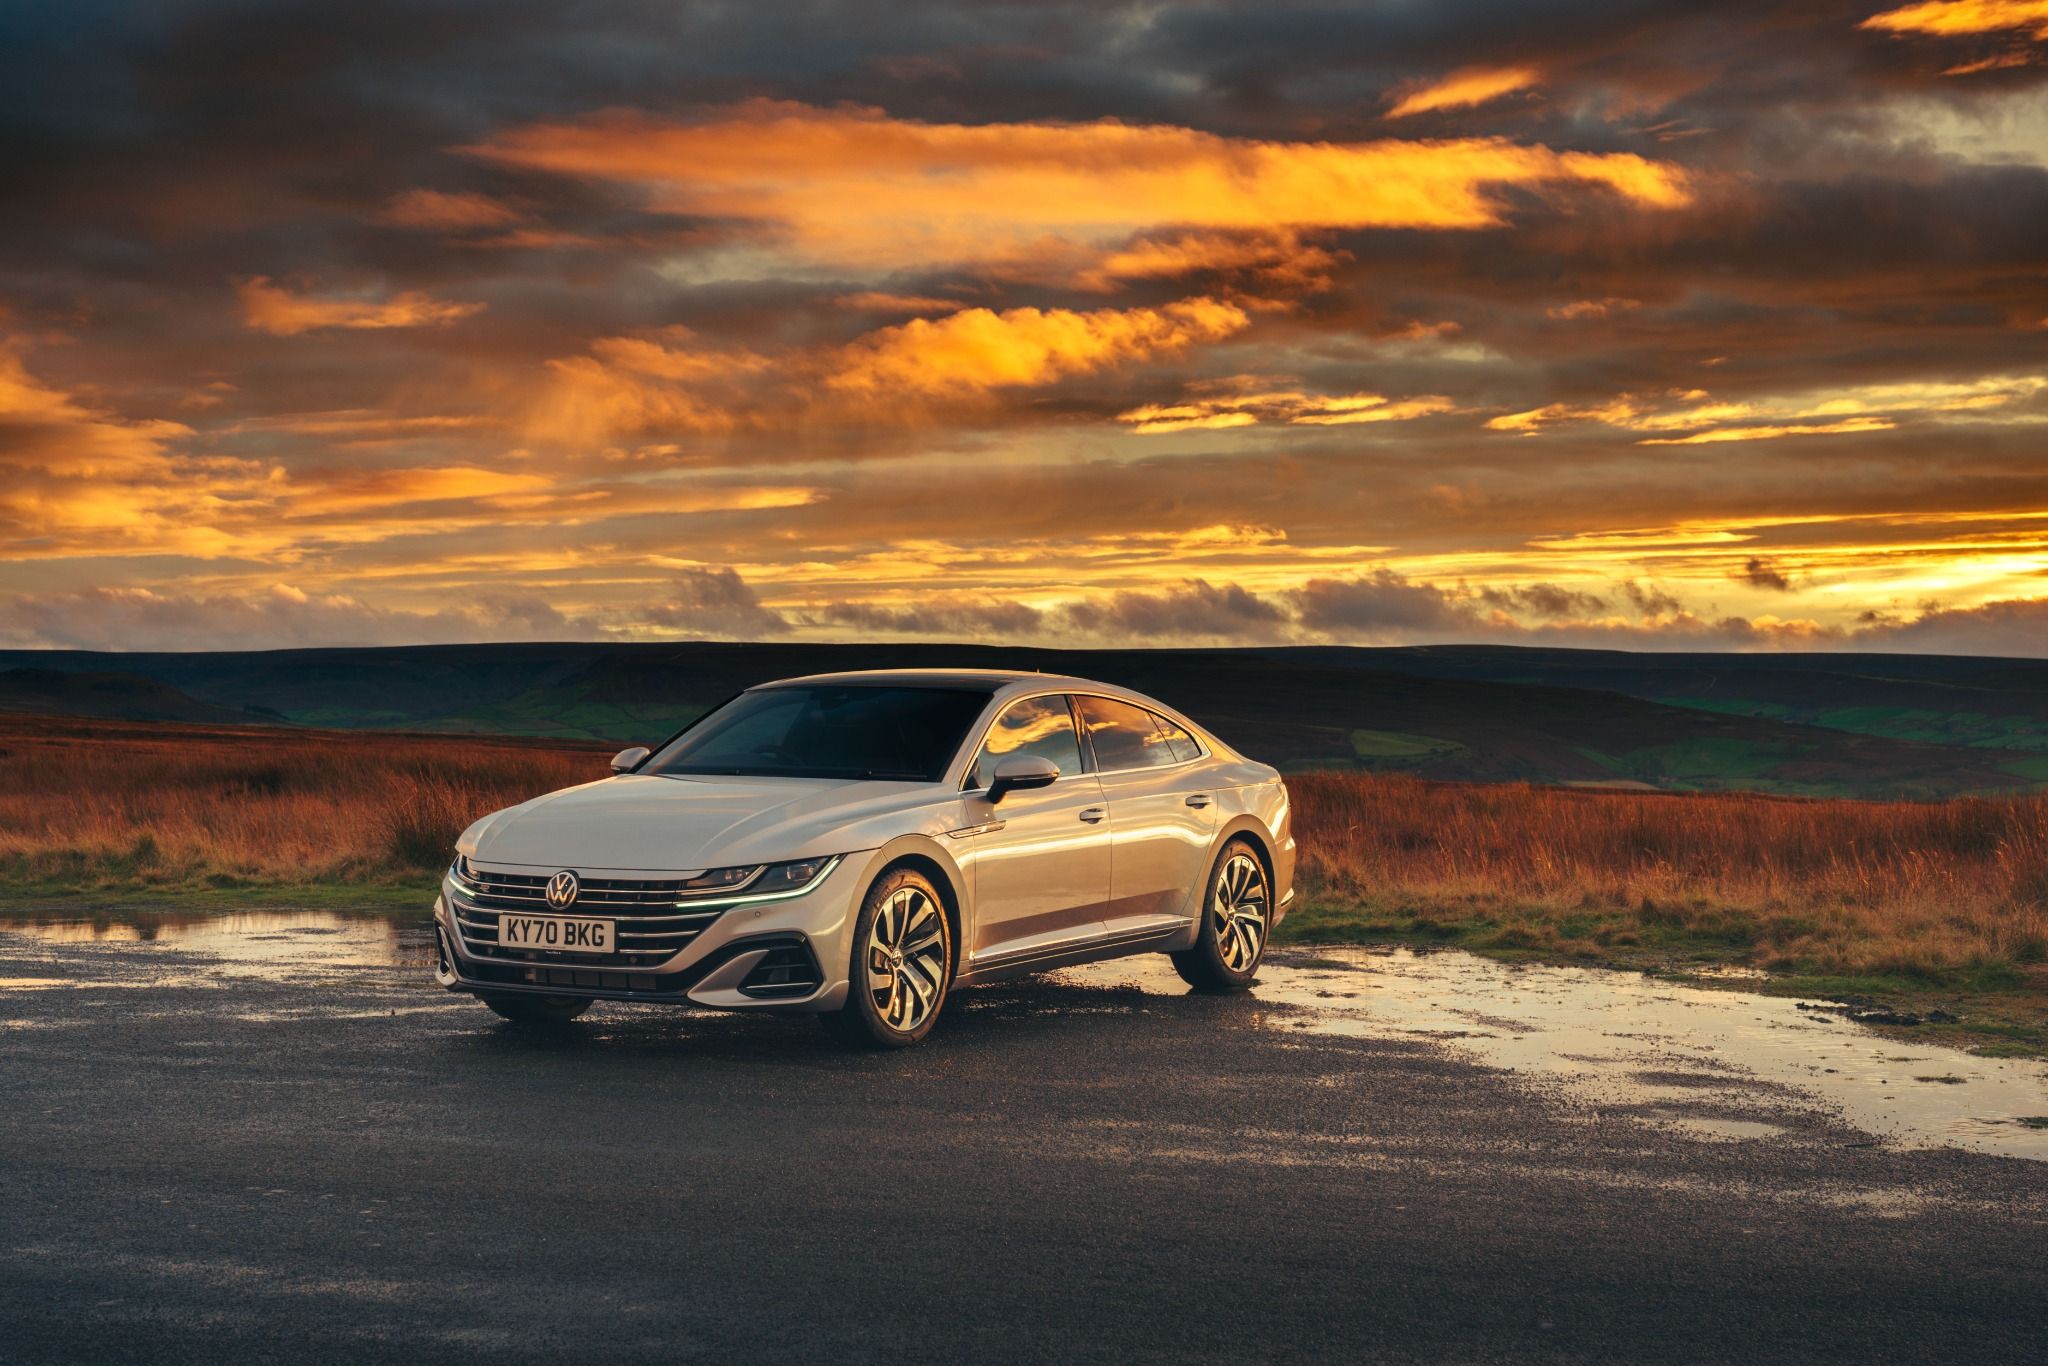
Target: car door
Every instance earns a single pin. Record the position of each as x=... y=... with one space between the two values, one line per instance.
x=1039 y=860
x=1161 y=817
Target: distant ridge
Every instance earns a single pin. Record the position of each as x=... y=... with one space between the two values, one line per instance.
x=118 y=696
x=1860 y=725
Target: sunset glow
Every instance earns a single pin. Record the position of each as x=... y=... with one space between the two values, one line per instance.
x=1708 y=327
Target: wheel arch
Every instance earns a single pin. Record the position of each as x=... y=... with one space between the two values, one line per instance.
x=930 y=859
x=1253 y=831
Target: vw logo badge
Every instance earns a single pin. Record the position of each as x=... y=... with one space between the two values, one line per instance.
x=562 y=890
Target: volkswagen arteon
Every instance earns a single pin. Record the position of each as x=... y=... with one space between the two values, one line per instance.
x=855 y=846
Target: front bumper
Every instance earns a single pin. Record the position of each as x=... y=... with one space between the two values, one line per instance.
x=789 y=955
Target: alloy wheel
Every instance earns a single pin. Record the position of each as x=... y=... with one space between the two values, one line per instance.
x=906 y=958
x=1238 y=911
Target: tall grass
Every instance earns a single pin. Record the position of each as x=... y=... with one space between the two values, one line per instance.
x=110 y=803
x=1845 y=886
x=1834 y=885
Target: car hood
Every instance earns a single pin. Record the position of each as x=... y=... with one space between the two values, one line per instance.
x=683 y=824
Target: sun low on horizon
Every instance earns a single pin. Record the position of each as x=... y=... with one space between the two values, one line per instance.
x=1660 y=326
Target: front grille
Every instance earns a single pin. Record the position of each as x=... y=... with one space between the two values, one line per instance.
x=529 y=892
x=650 y=928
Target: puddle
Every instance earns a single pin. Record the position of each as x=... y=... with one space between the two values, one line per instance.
x=1687 y=1057
x=255 y=943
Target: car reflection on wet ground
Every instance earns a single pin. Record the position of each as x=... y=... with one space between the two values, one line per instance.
x=1700 y=1060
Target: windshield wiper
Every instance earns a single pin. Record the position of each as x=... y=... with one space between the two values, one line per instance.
x=890 y=775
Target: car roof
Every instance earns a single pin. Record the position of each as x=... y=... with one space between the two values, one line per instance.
x=977 y=680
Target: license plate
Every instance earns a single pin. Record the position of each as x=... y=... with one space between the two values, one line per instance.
x=558 y=932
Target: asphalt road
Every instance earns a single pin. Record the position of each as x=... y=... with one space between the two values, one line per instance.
x=346 y=1164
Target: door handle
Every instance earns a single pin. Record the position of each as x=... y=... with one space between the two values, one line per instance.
x=1200 y=799
x=1093 y=814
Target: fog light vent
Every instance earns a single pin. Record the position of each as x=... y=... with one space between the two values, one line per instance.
x=786 y=970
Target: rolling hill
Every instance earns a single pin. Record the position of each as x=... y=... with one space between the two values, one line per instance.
x=1771 y=723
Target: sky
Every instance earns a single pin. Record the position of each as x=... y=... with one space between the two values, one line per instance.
x=1642 y=325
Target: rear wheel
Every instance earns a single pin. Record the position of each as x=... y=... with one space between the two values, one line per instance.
x=902 y=965
x=1236 y=914
x=538 y=1009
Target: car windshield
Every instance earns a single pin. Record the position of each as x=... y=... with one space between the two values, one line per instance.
x=827 y=731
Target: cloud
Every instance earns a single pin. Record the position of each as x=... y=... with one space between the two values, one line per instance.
x=979 y=348
x=1758 y=572
x=448 y=211
x=1848 y=410
x=860 y=188
x=277 y=311
x=942 y=620
x=1544 y=600
x=713 y=603
x=1288 y=406
x=283 y=616
x=1848 y=426
x=1582 y=309
x=1956 y=18
x=1462 y=89
x=674 y=383
x=1195 y=610
x=2016 y=627
x=1379 y=605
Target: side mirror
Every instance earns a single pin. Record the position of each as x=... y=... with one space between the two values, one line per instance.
x=1020 y=773
x=626 y=760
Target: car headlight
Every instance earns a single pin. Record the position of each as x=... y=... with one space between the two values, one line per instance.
x=719 y=880
x=462 y=874
x=757 y=881
x=787 y=877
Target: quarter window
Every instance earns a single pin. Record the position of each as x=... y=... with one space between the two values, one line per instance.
x=1125 y=736
x=1179 y=741
x=1041 y=726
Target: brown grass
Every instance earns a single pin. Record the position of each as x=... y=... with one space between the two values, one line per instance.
x=120 y=804
x=1837 y=886
x=1834 y=886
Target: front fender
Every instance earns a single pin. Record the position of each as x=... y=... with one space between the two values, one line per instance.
x=933 y=854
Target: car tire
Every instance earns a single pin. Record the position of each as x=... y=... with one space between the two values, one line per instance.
x=1237 y=918
x=538 y=1009
x=900 y=966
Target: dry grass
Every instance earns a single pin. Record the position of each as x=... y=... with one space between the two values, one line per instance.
x=1833 y=886
x=118 y=804
x=1830 y=886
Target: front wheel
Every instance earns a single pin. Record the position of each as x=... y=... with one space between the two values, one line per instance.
x=902 y=965
x=1236 y=914
x=538 y=1009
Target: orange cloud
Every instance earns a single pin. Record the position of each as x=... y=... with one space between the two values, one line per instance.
x=1463 y=88
x=1715 y=435
x=1290 y=406
x=857 y=187
x=1876 y=406
x=268 y=308
x=1275 y=258
x=1951 y=18
x=978 y=348
x=1581 y=309
x=453 y=212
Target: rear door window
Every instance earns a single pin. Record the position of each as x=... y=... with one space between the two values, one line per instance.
x=1125 y=736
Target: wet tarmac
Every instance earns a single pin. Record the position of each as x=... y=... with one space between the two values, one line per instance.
x=259 y=1136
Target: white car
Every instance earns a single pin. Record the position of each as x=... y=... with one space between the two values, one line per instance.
x=856 y=845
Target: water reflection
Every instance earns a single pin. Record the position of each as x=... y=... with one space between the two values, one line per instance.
x=253 y=939
x=1725 y=1066
x=1700 y=1060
